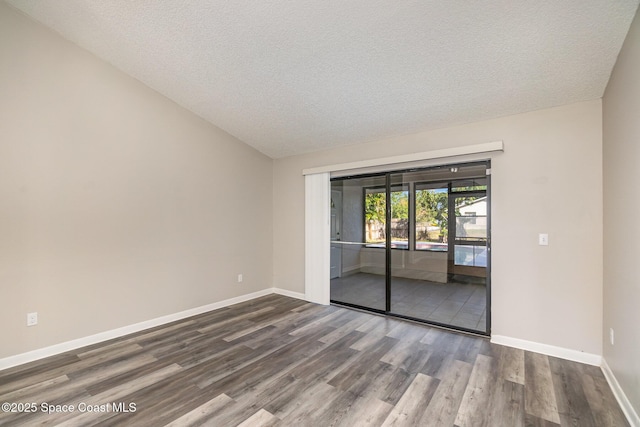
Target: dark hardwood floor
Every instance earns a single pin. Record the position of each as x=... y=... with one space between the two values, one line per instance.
x=278 y=361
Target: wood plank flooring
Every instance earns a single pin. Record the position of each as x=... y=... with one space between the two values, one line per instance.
x=278 y=361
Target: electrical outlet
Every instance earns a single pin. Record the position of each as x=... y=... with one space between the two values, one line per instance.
x=239 y=278
x=543 y=239
x=611 y=336
x=32 y=319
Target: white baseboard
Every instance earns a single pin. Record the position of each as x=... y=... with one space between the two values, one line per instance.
x=549 y=350
x=286 y=293
x=621 y=397
x=41 y=353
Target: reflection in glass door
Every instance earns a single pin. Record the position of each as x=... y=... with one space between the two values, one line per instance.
x=415 y=244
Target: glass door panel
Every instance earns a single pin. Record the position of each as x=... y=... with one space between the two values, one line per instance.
x=469 y=246
x=358 y=225
x=419 y=272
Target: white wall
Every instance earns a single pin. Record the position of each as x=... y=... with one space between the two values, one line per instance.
x=352 y=226
x=548 y=180
x=621 y=140
x=116 y=205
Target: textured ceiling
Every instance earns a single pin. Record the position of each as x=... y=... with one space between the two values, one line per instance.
x=290 y=77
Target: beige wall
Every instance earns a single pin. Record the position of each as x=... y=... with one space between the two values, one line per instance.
x=116 y=205
x=621 y=141
x=548 y=180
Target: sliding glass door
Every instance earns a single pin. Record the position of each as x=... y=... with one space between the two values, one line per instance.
x=414 y=244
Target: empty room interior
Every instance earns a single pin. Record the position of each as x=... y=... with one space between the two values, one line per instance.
x=319 y=213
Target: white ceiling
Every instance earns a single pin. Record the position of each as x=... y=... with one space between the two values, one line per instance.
x=289 y=77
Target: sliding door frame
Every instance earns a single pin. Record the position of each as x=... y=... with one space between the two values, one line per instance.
x=388 y=243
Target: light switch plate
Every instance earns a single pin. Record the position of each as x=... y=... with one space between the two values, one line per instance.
x=543 y=239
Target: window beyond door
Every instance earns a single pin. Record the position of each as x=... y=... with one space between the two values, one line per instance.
x=432 y=216
x=375 y=202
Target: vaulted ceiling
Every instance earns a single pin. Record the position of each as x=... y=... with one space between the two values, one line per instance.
x=289 y=77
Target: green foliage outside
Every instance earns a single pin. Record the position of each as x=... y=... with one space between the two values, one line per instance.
x=400 y=205
x=375 y=212
x=375 y=207
x=375 y=215
x=431 y=209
